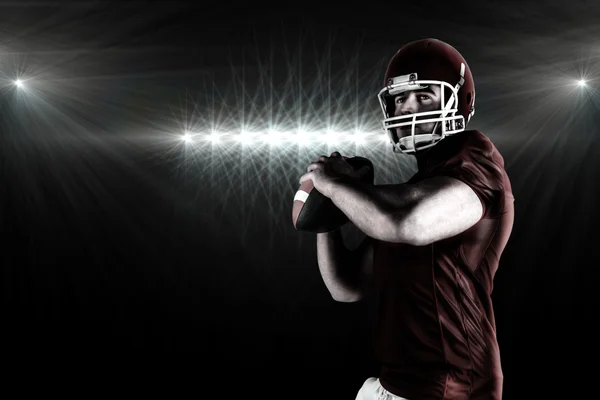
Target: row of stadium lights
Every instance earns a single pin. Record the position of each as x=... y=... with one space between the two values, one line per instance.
x=276 y=138
x=298 y=137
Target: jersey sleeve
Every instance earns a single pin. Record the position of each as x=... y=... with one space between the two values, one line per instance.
x=480 y=167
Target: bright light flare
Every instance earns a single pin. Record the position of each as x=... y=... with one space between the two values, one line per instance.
x=304 y=138
x=333 y=137
x=274 y=137
x=283 y=138
x=358 y=138
x=246 y=137
x=213 y=137
x=581 y=82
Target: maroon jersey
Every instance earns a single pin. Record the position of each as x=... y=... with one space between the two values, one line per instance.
x=435 y=334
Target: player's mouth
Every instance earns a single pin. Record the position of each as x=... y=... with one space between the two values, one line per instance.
x=406 y=131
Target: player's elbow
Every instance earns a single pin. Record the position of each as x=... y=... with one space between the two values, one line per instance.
x=348 y=296
x=404 y=228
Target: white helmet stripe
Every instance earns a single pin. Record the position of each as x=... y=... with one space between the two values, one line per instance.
x=472 y=108
x=462 y=77
x=461 y=81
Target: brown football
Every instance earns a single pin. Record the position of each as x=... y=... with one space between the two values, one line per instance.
x=313 y=212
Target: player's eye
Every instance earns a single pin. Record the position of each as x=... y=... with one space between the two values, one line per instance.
x=424 y=97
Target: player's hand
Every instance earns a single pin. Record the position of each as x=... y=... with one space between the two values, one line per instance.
x=326 y=172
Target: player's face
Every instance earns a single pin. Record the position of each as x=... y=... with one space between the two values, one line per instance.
x=417 y=101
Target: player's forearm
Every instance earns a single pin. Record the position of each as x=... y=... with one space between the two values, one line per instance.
x=366 y=208
x=340 y=274
x=380 y=211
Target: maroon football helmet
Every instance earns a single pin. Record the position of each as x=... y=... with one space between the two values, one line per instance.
x=415 y=66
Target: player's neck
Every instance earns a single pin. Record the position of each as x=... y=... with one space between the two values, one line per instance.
x=422 y=157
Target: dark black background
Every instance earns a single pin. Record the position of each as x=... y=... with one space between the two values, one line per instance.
x=125 y=257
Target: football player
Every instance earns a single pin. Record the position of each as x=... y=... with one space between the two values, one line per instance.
x=433 y=243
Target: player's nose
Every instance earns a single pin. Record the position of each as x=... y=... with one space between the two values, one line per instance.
x=409 y=106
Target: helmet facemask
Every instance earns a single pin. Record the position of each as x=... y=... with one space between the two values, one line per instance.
x=445 y=120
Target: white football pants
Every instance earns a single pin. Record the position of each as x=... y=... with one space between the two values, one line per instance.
x=372 y=390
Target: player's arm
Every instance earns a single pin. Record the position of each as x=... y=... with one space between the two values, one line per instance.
x=417 y=214
x=441 y=207
x=346 y=273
